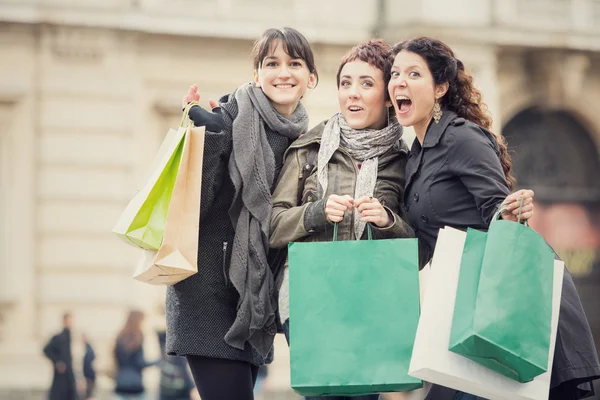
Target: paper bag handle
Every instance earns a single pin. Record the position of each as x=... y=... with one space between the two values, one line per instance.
x=335 y=231
x=501 y=210
x=185 y=116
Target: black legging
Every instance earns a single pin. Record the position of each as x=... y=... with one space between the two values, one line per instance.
x=220 y=379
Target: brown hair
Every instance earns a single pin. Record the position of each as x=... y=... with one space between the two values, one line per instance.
x=131 y=336
x=294 y=44
x=462 y=97
x=374 y=52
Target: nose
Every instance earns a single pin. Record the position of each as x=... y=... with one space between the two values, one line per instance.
x=353 y=92
x=284 y=72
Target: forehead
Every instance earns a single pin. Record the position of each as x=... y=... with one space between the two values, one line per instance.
x=407 y=58
x=358 y=68
x=276 y=49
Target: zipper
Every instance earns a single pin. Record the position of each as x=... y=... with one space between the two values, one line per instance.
x=225 y=263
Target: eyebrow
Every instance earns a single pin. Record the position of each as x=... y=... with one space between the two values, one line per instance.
x=409 y=67
x=360 y=77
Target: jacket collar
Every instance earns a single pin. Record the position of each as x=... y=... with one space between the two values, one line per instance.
x=435 y=131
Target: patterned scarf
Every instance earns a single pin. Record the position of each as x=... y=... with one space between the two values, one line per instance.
x=365 y=146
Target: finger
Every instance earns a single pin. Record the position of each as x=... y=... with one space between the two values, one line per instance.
x=524 y=210
x=334 y=212
x=369 y=206
x=341 y=200
x=335 y=219
x=213 y=104
x=367 y=213
x=333 y=205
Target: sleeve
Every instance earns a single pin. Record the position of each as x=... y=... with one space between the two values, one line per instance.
x=212 y=120
x=473 y=159
x=217 y=148
x=290 y=221
x=52 y=351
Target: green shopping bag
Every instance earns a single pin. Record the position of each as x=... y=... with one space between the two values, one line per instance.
x=503 y=309
x=354 y=309
x=142 y=224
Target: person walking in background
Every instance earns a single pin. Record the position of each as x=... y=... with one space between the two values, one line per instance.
x=58 y=351
x=89 y=372
x=129 y=359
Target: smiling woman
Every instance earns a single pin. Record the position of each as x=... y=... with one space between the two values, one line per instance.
x=222 y=318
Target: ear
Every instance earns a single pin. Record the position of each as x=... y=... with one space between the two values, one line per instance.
x=440 y=90
x=388 y=104
x=256 y=82
x=312 y=80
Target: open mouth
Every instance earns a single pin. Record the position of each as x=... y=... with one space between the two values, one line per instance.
x=285 y=86
x=355 y=109
x=404 y=104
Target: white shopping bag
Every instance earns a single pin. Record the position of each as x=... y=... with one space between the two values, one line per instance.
x=431 y=359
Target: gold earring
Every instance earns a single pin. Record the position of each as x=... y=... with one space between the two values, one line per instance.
x=437 y=112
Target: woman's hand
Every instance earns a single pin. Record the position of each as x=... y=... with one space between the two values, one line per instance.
x=371 y=210
x=336 y=206
x=193 y=95
x=513 y=202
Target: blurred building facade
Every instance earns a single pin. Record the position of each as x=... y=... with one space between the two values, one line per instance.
x=89 y=88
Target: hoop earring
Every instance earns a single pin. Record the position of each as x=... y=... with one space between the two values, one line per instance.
x=437 y=112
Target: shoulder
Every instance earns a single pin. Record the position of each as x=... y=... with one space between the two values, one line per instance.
x=463 y=135
x=312 y=137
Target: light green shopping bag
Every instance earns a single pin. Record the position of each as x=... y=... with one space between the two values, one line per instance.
x=142 y=224
x=503 y=311
x=354 y=310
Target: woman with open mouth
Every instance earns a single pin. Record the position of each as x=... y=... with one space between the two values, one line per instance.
x=458 y=174
x=345 y=170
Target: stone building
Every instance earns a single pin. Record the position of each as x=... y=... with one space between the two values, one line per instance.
x=89 y=88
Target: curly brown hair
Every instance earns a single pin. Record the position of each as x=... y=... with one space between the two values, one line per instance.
x=375 y=53
x=462 y=97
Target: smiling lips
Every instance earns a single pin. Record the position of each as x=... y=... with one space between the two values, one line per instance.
x=355 y=108
x=284 y=86
x=404 y=104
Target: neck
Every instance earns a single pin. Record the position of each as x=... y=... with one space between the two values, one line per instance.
x=285 y=109
x=421 y=129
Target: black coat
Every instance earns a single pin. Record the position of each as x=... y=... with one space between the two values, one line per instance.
x=202 y=308
x=456 y=179
x=58 y=350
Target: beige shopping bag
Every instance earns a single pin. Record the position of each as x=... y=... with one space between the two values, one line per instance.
x=177 y=257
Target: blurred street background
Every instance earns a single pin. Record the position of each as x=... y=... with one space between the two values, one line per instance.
x=88 y=89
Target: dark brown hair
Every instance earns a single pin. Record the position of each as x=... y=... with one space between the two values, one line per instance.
x=462 y=97
x=375 y=53
x=131 y=336
x=294 y=44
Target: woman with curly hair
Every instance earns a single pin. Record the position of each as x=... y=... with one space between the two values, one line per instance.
x=458 y=175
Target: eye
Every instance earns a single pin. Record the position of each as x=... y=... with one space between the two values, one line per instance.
x=345 y=83
x=395 y=74
x=271 y=64
x=296 y=64
x=414 y=74
x=367 y=83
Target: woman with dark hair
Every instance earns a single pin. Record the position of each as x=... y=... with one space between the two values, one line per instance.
x=458 y=175
x=129 y=359
x=222 y=319
x=348 y=168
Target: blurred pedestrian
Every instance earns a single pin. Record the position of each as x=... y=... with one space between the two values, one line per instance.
x=89 y=372
x=58 y=351
x=129 y=359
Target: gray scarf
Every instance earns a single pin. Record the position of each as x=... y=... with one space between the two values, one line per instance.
x=364 y=145
x=252 y=171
